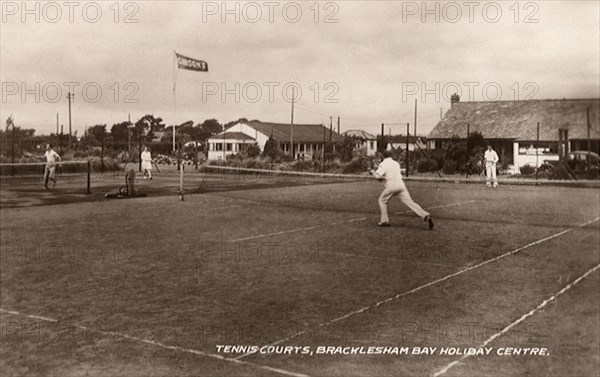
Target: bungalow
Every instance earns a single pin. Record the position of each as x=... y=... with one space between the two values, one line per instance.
x=399 y=141
x=511 y=127
x=307 y=138
x=364 y=141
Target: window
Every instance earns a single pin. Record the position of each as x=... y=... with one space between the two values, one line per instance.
x=218 y=146
x=301 y=147
x=543 y=148
x=229 y=147
x=371 y=145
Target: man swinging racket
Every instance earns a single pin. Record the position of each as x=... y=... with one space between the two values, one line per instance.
x=389 y=170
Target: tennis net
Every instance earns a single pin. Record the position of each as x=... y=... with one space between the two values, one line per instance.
x=34 y=171
x=222 y=177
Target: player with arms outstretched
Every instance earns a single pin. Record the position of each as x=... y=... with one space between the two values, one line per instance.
x=389 y=170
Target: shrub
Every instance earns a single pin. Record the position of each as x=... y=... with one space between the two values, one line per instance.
x=354 y=166
x=426 y=165
x=256 y=163
x=449 y=167
x=303 y=165
x=252 y=151
x=476 y=164
x=527 y=169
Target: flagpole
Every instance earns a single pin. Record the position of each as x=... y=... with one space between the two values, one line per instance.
x=179 y=162
x=174 y=95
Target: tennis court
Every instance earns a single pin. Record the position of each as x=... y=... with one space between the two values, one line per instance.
x=155 y=286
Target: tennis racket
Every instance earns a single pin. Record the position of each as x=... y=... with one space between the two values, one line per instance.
x=366 y=164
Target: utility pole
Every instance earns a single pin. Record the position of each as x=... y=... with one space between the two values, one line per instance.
x=330 y=127
x=381 y=147
x=338 y=125
x=57 y=139
x=140 y=148
x=174 y=147
x=61 y=138
x=467 y=148
x=102 y=152
x=70 y=97
x=323 y=151
x=129 y=134
x=407 y=138
x=415 y=126
x=589 y=144
x=12 y=138
x=415 y=134
x=292 y=123
x=537 y=151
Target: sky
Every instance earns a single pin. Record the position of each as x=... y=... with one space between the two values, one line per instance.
x=365 y=62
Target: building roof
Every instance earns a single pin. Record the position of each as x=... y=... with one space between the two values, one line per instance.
x=359 y=134
x=303 y=133
x=517 y=120
x=232 y=136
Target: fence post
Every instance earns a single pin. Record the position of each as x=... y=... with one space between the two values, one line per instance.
x=89 y=173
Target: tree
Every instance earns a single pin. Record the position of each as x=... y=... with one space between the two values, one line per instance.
x=145 y=127
x=119 y=133
x=19 y=132
x=476 y=146
x=94 y=136
x=475 y=143
x=454 y=155
x=271 y=148
x=211 y=126
x=346 y=149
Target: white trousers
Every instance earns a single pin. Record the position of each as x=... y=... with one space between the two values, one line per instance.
x=49 y=174
x=400 y=190
x=491 y=174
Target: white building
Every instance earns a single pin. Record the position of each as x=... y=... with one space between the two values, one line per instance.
x=307 y=138
x=511 y=127
x=364 y=141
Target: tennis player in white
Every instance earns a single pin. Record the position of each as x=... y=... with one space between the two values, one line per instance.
x=50 y=169
x=491 y=159
x=389 y=170
x=147 y=163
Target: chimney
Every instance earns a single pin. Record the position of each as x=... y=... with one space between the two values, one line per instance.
x=454 y=98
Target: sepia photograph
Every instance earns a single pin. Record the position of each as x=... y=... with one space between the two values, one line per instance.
x=309 y=188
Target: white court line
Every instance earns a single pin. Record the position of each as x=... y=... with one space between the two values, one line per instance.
x=440 y=280
x=440 y=206
x=162 y=345
x=521 y=319
x=298 y=230
x=333 y=224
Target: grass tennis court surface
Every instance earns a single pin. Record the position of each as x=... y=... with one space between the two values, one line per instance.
x=152 y=286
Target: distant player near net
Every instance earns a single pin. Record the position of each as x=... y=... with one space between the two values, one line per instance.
x=389 y=170
x=50 y=170
x=491 y=159
x=147 y=163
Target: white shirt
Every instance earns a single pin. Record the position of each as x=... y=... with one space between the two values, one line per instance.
x=390 y=170
x=51 y=156
x=146 y=156
x=491 y=157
